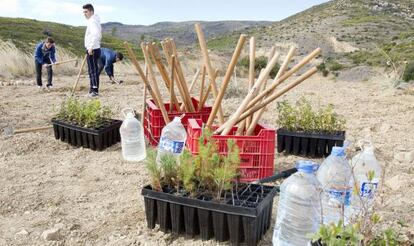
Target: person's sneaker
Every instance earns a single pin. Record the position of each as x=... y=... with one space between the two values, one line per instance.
x=93 y=94
x=49 y=87
x=39 y=87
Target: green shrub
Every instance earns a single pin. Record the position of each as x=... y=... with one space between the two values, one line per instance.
x=302 y=117
x=335 y=66
x=208 y=172
x=322 y=68
x=409 y=72
x=338 y=235
x=89 y=114
x=259 y=64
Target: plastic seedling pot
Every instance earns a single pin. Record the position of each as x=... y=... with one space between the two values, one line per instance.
x=94 y=138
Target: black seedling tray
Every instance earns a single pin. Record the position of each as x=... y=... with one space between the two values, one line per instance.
x=308 y=144
x=243 y=215
x=94 y=138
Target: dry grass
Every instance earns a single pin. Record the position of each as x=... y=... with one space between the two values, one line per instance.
x=16 y=63
x=21 y=64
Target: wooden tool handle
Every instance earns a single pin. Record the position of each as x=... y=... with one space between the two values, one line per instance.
x=203 y=79
x=229 y=72
x=172 y=85
x=155 y=54
x=79 y=74
x=277 y=94
x=154 y=84
x=285 y=76
x=263 y=76
x=181 y=76
x=192 y=86
x=210 y=70
x=33 y=129
x=281 y=71
x=62 y=62
x=145 y=79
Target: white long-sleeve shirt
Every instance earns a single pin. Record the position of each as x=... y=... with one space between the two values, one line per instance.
x=93 y=33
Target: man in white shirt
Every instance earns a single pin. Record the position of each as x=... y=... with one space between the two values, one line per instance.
x=93 y=37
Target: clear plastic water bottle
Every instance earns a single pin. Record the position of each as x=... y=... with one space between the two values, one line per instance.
x=367 y=173
x=335 y=174
x=172 y=141
x=132 y=137
x=299 y=211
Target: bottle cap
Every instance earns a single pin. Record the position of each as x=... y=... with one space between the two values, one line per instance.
x=177 y=119
x=307 y=166
x=338 y=151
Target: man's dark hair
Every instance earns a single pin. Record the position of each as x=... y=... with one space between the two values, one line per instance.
x=88 y=7
x=120 y=56
x=50 y=40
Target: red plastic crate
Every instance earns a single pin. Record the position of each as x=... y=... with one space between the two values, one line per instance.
x=257 y=152
x=154 y=122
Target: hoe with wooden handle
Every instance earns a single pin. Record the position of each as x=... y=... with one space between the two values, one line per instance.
x=63 y=62
x=9 y=131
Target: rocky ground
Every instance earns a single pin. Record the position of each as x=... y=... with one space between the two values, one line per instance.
x=54 y=194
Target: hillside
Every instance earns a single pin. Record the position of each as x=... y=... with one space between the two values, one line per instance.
x=353 y=31
x=25 y=33
x=182 y=32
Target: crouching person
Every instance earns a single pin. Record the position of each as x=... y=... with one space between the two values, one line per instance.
x=107 y=60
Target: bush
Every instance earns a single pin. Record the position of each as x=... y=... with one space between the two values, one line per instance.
x=335 y=66
x=302 y=117
x=86 y=114
x=209 y=172
x=409 y=72
x=259 y=64
x=322 y=68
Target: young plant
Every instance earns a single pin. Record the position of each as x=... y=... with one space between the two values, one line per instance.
x=338 y=235
x=153 y=169
x=306 y=116
x=206 y=161
x=89 y=114
x=186 y=173
x=287 y=116
x=224 y=174
x=302 y=117
x=169 y=170
x=208 y=173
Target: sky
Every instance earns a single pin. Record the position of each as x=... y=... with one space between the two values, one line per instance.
x=153 y=11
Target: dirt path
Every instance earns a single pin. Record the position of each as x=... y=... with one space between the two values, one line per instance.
x=94 y=197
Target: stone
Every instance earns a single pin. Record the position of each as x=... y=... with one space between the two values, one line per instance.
x=54 y=233
x=395 y=182
x=74 y=227
x=399 y=156
x=409 y=157
x=51 y=234
x=23 y=232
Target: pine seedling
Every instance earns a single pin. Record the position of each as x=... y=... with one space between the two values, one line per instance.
x=169 y=170
x=153 y=169
x=227 y=170
x=186 y=173
x=206 y=161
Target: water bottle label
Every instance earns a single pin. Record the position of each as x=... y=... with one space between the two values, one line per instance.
x=368 y=189
x=342 y=196
x=174 y=147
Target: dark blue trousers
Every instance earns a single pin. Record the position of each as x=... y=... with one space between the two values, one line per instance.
x=93 y=70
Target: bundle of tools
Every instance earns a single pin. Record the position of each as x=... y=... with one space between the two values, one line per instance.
x=253 y=105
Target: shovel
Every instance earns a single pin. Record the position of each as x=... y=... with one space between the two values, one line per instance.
x=9 y=131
